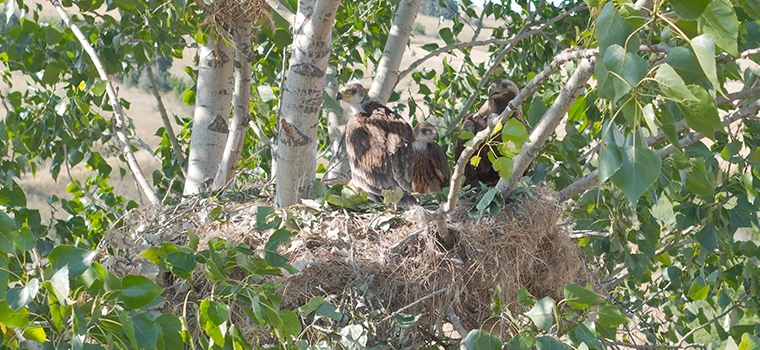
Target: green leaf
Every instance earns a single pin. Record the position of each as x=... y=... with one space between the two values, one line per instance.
x=686 y=64
x=708 y=238
x=282 y=38
x=704 y=48
x=611 y=29
x=720 y=22
x=36 y=334
x=672 y=85
x=24 y=240
x=272 y=257
x=59 y=282
x=525 y=298
x=311 y=306
x=76 y=259
x=749 y=342
x=429 y=47
x=291 y=322
x=169 y=338
x=504 y=166
x=751 y=7
x=579 y=297
x=610 y=160
x=549 y=343
x=519 y=343
x=702 y=114
x=11 y=318
x=138 y=291
x=475 y=160
x=19 y=297
x=514 y=130
x=639 y=170
x=481 y=340
x=689 y=9
x=446 y=35
x=699 y=289
x=146 y=331
x=215 y=311
x=542 y=314
x=581 y=334
x=628 y=66
x=610 y=316
x=698 y=181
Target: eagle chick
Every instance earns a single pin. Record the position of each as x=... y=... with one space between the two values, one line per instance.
x=431 y=169
x=378 y=144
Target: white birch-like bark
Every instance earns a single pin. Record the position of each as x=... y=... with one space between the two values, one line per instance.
x=548 y=124
x=241 y=105
x=338 y=170
x=302 y=100
x=113 y=100
x=212 y=111
x=388 y=67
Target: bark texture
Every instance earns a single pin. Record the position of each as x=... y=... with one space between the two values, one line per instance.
x=241 y=104
x=395 y=46
x=302 y=100
x=212 y=111
x=339 y=170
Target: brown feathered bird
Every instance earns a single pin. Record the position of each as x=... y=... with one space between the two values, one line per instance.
x=378 y=143
x=431 y=168
x=500 y=92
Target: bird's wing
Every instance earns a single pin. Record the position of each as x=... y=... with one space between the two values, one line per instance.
x=440 y=162
x=365 y=146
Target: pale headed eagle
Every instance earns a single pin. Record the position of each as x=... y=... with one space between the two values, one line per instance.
x=431 y=169
x=378 y=143
x=500 y=92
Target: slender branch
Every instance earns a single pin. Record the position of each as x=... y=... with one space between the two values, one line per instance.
x=134 y=166
x=413 y=303
x=167 y=123
x=591 y=180
x=739 y=95
x=653 y=346
x=548 y=123
x=281 y=10
x=716 y=318
x=533 y=84
x=454 y=319
x=725 y=58
x=524 y=33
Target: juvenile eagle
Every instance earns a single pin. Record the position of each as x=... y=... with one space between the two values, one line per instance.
x=378 y=143
x=431 y=169
x=500 y=92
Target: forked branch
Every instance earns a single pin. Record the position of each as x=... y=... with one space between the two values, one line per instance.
x=119 y=125
x=167 y=123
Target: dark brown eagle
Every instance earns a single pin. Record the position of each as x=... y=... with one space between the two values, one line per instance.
x=500 y=92
x=378 y=144
x=431 y=168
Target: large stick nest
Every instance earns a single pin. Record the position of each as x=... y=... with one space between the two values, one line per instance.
x=387 y=261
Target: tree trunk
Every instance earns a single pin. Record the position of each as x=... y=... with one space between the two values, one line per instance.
x=387 y=70
x=212 y=109
x=241 y=102
x=338 y=171
x=302 y=100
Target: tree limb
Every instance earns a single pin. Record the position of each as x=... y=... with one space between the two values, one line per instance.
x=126 y=149
x=716 y=318
x=456 y=177
x=548 y=123
x=281 y=10
x=493 y=41
x=591 y=180
x=241 y=103
x=387 y=72
x=167 y=123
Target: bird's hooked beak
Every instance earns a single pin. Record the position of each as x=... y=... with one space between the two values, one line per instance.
x=490 y=91
x=339 y=96
x=435 y=136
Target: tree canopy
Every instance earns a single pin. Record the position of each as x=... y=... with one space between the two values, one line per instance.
x=643 y=122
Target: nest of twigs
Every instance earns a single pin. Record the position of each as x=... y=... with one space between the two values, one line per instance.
x=384 y=264
x=229 y=13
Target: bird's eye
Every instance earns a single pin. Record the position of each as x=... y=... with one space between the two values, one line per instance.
x=352 y=91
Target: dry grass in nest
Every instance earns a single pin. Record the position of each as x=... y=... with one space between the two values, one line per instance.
x=229 y=13
x=522 y=247
x=389 y=262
